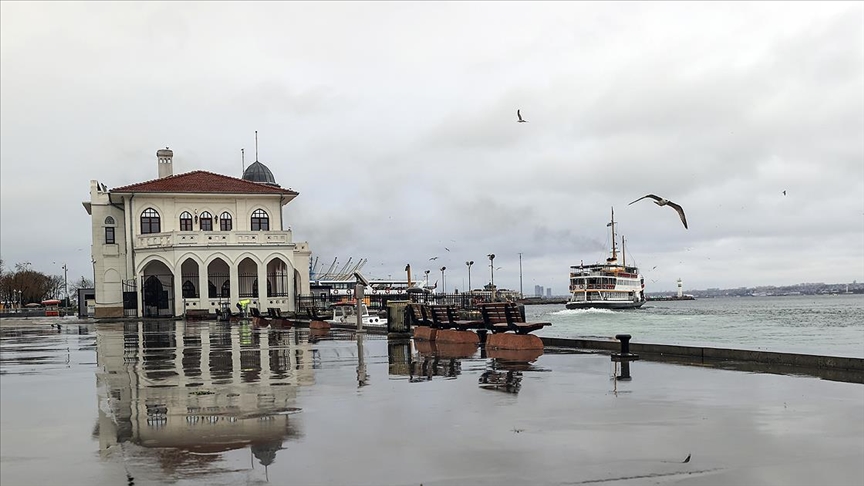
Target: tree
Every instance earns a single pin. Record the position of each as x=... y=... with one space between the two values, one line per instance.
x=24 y=285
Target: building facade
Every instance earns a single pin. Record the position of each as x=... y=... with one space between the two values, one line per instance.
x=194 y=241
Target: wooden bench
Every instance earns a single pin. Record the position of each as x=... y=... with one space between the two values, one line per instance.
x=447 y=317
x=505 y=316
x=418 y=316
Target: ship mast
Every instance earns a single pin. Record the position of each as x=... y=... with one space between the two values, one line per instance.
x=614 y=257
x=623 y=253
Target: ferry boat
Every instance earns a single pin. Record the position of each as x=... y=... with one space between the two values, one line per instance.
x=345 y=287
x=609 y=285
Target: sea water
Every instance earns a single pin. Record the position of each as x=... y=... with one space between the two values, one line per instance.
x=819 y=324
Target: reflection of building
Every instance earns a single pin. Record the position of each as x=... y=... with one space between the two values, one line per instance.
x=191 y=241
x=200 y=388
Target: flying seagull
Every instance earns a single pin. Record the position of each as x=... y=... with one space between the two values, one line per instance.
x=688 y=459
x=784 y=193
x=434 y=258
x=519 y=114
x=665 y=202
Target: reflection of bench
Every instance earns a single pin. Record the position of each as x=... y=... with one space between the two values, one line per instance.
x=274 y=312
x=446 y=317
x=194 y=314
x=505 y=316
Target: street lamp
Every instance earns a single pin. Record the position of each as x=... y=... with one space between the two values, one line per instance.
x=468 y=264
x=492 y=269
x=66 y=284
x=443 y=282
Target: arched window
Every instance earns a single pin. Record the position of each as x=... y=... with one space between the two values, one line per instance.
x=260 y=221
x=109 y=231
x=206 y=221
x=185 y=221
x=150 y=221
x=225 y=221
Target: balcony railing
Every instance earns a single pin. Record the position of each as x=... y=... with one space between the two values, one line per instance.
x=211 y=238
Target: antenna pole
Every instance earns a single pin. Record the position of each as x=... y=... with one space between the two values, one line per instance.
x=243 y=158
x=256 y=145
x=614 y=249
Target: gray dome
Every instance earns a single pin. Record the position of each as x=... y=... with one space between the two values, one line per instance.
x=258 y=172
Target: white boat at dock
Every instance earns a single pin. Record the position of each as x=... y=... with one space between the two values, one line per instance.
x=346 y=313
x=609 y=285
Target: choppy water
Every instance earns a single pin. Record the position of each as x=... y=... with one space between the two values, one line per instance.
x=830 y=325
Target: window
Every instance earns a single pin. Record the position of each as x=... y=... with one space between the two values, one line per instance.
x=185 y=221
x=150 y=221
x=225 y=221
x=206 y=221
x=260 y=221
x=109 y=220
x=109 y=235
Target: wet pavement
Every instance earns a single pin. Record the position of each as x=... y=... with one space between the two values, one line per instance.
x=207 y=403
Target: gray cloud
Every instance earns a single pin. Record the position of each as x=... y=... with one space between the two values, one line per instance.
x=396 y=123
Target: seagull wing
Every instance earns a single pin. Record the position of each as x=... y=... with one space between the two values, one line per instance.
x=519 y=115
x=652 y=196
x=680 y=212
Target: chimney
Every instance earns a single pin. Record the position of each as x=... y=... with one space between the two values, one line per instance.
x=166 y=165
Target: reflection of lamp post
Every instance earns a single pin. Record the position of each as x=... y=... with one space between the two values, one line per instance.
x=469 y=273
x=443 y=282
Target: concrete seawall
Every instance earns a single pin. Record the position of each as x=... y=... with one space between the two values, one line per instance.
x=828 y=367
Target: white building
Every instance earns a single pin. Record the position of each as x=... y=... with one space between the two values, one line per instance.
x=194 y=241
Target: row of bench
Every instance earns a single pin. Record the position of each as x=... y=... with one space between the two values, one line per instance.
x=498 y=317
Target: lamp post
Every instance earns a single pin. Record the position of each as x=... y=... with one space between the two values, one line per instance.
x=520 y=276
x=66 y=284
x=443 y=282
x=492 y=272
x=468 y=264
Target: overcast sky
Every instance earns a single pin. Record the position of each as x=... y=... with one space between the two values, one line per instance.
x=396 y=123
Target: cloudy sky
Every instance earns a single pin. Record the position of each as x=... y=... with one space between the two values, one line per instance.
x=396 y=123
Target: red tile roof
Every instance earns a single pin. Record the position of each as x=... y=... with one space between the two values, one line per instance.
x=201 y=181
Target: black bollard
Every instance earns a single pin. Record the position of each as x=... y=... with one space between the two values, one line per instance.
x=625 y=343
x=625 y=353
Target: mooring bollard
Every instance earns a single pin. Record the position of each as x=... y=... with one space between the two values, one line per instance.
x=625 y=343
x=624 y=357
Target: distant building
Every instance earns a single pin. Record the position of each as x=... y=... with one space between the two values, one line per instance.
x=194 y=241
x=538 y=291
x=548 y=292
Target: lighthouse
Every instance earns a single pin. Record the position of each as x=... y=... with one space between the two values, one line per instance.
x=680 y=289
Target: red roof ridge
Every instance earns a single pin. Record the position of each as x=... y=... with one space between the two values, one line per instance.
x=202 y=181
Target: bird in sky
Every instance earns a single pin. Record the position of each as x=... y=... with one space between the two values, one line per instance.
x=665 y=202
x=519 y=115
x=448 y=249
x=688 y=459
x=434 y=258
x=784 y=193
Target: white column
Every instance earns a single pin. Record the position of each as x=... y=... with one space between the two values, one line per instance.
x=178 y=291
x=234 y=278
x=263 y=301
x=203 y=288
